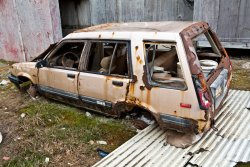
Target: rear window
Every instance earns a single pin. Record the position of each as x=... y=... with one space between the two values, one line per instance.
x=208 y=53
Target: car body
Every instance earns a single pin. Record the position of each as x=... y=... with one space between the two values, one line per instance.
x=156 y=66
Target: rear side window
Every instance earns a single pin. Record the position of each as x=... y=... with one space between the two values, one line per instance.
x=108 y=58
x=163 y=66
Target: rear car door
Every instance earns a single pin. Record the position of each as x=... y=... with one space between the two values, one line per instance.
x=106 y=73
x=60 y=75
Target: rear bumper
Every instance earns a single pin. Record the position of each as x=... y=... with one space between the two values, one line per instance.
x=177 y=123
x=15 y=80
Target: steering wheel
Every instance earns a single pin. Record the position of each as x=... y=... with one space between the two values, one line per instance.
x=69 y=59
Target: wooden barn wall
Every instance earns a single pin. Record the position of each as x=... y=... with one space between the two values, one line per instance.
x=77 y=14
x=229 y=18
x=27 y=28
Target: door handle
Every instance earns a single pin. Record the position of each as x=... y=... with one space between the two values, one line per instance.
x=117 y=83
x=71 y=75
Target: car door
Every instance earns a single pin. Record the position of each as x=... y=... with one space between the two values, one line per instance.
x=60 y=75
x=106 y=73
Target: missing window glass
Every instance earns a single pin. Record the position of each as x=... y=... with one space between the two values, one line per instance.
x=163 y=65
x=67 y=55
x=109 y=58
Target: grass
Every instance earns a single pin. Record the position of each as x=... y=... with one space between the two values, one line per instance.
x=243 y=164
x=51 y=129
x=241 y=77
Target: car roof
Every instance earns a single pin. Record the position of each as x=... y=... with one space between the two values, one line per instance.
x=163 y=26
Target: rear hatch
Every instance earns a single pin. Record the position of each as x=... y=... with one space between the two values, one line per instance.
x=215 y=65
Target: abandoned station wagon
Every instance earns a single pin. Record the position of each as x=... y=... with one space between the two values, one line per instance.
x=156 y=66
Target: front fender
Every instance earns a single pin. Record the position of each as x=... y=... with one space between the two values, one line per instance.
x=33 y=79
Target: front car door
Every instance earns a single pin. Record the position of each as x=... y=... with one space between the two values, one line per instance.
x=59 y=77
x=106 y=73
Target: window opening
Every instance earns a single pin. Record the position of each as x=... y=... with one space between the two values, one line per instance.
x=164 y=66
x=109 y=58
x=67 y=56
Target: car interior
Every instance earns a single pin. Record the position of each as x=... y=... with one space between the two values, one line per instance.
x=163 y=64
x=67 y=56
x=108 y=58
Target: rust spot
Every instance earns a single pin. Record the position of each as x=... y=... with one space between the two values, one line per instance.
x=132 y=88
x=138 y=58
x=148 y=97
x=142 y=88
x=134 y=79
x=97 y=27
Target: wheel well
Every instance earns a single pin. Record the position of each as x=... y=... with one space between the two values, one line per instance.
x=143 y=111
x=23 y=79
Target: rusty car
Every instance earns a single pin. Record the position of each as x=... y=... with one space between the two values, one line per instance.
x=159 y=67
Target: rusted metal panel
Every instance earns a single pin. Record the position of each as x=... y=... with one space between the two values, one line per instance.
x=30 y=27
x=223 y=147
x=55 y=20
x=11 y=47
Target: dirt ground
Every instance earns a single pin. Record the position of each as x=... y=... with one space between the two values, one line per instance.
x=41 y=132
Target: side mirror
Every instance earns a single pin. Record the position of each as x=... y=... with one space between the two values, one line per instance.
x=41 y=64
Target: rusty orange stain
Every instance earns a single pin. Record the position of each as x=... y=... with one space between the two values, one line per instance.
x=148 y=97
x=97 y=27
x=139 y=59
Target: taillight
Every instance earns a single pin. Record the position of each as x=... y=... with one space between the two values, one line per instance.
x=201 y=90
x=183 y=105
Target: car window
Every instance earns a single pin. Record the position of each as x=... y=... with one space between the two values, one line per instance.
x=163 y=66
x=206 y=47
x=108 y=58
x=67 y=55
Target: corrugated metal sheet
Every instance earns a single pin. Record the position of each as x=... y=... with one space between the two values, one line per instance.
x=223 y=147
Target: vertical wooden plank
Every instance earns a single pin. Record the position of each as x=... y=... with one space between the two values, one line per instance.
x=197 y=15
x=185 y=10
x=228 y=19
x=98 y=14
x=55 y=20
x=168 y=10
x=83 y=13
x=151 y=10
x=243 y=28
x=112 y=11
x=132 y=10
x=207 y=10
